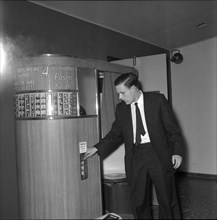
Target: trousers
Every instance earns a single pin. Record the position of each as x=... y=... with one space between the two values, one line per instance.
x=147 y=169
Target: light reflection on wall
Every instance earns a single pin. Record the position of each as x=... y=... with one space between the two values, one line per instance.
x=15 y=48
x=2 y=58
x=7 y=54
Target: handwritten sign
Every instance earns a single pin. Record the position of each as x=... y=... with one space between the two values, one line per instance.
x=45 y=77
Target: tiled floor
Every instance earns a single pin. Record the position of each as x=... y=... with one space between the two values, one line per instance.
x=198 y=197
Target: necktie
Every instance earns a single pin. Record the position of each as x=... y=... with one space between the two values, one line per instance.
x=139 y=125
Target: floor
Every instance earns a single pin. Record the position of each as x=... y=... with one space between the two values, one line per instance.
x=197 y=195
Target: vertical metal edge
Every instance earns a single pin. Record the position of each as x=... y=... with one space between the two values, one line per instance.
x=169 y=80
x=98 y=109
x=99 y=133
x=76 y=83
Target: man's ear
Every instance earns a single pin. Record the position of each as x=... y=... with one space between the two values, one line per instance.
x=133 y=88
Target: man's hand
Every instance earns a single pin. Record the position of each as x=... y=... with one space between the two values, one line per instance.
x=176 y=160
x=90 y=152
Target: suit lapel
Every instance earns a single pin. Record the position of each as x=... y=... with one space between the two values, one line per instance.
x=148 y=113
x=129 y=123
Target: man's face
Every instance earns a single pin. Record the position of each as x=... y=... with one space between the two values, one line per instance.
x=126 y=94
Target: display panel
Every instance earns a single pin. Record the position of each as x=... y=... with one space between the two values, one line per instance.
x=46 y=104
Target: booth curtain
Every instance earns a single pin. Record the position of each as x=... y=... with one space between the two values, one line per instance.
x=109 y=101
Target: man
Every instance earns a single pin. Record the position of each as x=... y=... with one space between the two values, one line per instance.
x=153 y=155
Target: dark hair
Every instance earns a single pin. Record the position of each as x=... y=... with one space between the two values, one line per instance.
x=129 y=79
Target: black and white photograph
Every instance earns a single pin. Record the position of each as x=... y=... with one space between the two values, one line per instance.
x=108 y=109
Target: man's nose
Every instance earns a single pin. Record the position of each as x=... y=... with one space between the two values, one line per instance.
x=120 y=96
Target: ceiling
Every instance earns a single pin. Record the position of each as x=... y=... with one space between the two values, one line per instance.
x=168 y=24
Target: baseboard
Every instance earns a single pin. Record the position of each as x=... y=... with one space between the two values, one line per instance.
x=198 y=175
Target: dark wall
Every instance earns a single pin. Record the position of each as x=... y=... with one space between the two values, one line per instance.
x=28 y=29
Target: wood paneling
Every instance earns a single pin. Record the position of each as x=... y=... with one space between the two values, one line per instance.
x=50 y=185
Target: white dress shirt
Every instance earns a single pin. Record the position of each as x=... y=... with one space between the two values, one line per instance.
x=144 y=138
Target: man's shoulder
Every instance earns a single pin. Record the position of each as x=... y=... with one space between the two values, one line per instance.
x=153 y=94
x=122 y=107
x=154 y=97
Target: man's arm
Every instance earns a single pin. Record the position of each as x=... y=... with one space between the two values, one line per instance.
x=113 y=139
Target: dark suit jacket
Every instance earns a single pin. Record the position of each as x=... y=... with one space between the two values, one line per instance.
x=162 y=126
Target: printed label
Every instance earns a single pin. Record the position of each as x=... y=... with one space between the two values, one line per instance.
x=82 y=147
